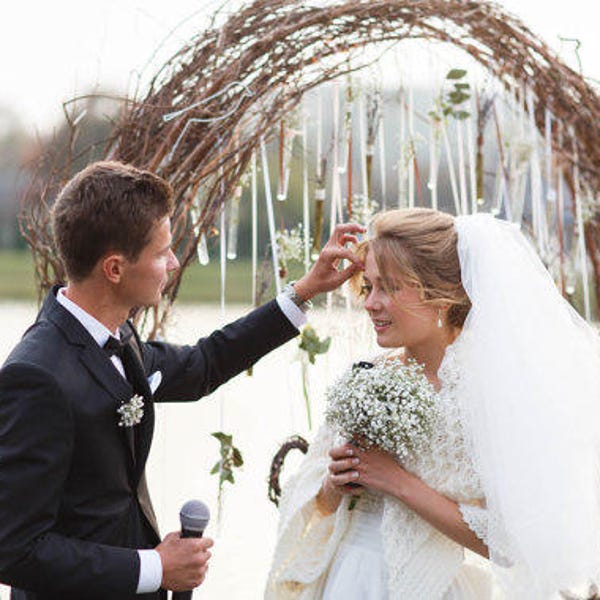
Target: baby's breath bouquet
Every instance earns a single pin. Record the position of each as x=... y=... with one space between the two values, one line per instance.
x=389 y=405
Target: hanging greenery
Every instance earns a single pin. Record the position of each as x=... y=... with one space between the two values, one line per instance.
x=230 y=459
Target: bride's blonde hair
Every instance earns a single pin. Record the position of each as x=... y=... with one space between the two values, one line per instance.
x=418 y=246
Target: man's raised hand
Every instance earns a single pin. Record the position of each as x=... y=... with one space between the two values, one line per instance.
x=325 y=275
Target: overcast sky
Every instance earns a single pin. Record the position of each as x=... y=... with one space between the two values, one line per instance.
x=51 y=51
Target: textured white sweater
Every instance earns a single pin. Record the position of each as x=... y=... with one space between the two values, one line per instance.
x=422 y=562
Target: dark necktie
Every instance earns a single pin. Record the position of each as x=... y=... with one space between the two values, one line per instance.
x=115 y=347
x=134 y=373
x=131 y=365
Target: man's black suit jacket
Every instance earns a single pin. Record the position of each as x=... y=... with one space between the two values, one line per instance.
x=70 y=516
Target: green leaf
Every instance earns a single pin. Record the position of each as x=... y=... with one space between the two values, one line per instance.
x=462 y=86
x=311 y=344
x=462 y=115
x=457 y=97
x=456 y=74
x=223 y=437
x=231 y=458
x=238 y=461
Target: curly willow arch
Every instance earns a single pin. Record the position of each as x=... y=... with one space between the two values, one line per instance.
x=233 y=83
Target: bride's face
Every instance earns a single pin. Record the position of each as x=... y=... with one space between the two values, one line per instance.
x=399 y=316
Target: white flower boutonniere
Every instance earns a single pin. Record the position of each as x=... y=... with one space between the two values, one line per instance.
x=131 y=412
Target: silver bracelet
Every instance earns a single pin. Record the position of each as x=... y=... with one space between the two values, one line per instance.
x=292 y=294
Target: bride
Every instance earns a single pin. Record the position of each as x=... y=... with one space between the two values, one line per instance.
x=511 y=472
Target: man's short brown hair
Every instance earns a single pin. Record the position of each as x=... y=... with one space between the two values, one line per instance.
x=109 y=206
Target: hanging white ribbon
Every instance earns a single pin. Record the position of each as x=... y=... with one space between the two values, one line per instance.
x=254 y=226
x=382 y=161
x=305 y=201
x=582 y=250
x=432 y=185
x=413 y=152
x=451 y=172
x=402 y=162
x=270 y=215
x=335 y=183
x=472 y=159
x=464 y=202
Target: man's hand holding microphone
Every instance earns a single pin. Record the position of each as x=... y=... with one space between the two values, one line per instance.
x=184 y=555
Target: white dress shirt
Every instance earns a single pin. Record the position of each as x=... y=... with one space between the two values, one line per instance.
x=150 y=576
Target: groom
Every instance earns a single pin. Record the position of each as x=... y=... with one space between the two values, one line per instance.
x=77 y=394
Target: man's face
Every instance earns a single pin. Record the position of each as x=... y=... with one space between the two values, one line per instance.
x=145 y=278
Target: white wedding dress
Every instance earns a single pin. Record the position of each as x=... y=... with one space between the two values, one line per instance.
x=381 y=549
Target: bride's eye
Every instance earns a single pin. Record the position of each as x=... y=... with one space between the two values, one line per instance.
x=393 y=287
x=365 y=289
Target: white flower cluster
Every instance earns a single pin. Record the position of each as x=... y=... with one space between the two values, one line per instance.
x=363 y=209
x=131 y=412
x=389 y=405
x=290 y=244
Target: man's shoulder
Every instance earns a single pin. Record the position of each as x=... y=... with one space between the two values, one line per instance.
x=40 y=346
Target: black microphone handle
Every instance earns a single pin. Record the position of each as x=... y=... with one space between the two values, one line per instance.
x=187 y=595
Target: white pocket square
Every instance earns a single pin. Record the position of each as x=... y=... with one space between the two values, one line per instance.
x=154 y=381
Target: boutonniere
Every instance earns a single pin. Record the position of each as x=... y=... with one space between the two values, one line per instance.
x=131 y=412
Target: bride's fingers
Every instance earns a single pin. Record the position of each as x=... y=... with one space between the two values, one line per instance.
x=341 y=452
x=340 y=465
x=344 y=478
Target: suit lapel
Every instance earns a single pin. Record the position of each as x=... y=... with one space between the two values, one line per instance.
x=138 y=438
x=95 y=361
x=104 y=372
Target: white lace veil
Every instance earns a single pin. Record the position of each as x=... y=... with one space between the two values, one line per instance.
x=530 y=398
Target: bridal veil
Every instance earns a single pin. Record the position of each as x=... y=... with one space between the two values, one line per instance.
x=530 y=401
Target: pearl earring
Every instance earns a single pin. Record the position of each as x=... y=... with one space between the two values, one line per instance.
x=440 y=323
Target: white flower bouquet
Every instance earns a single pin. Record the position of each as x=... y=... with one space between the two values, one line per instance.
x=390 y=405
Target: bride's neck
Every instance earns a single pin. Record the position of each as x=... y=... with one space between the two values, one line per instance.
x=430 y=352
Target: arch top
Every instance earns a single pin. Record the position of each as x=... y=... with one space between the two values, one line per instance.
x=230 y=86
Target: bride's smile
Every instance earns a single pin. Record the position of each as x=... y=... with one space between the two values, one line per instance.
x=397 y=311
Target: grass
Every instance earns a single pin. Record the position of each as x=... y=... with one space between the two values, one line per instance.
x=16 y=276
x=203 y=284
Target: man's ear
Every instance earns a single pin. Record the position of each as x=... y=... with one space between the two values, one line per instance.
x=113 y=266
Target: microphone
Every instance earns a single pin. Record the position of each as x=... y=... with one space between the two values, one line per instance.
x=194 y=516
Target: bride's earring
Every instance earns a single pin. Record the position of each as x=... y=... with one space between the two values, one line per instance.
x=440 y=323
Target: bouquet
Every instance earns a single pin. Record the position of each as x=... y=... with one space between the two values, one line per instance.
x=390 y=405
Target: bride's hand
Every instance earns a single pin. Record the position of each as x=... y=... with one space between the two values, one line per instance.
x=340 y=479
x=379 y=470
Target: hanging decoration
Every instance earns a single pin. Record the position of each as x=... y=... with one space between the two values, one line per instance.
x=320 y=184
x=287 y=135
x=226 y=94
x=373 y=122
x=230 y=458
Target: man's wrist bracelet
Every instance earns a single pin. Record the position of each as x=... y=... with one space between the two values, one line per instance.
x=292 y=294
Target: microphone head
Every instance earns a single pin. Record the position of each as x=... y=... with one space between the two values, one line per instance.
x=194 y=516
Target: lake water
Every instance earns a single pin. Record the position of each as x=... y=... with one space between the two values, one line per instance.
x=261 y=411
